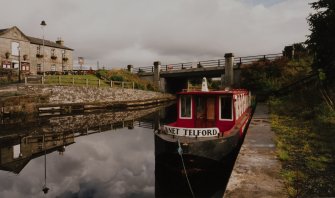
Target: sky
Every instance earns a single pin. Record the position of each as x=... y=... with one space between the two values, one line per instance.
x=117 y=33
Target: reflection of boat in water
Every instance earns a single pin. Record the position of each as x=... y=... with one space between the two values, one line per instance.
x=205 y=177
x=209 y=123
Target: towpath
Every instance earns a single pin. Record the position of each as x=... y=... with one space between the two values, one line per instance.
x=257 y=170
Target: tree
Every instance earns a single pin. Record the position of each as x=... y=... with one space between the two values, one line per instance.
x=321 y=42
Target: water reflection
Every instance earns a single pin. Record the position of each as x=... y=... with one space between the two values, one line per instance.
x=106 y=154
x=112 y=156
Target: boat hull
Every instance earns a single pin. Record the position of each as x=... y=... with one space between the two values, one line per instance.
x=214 y=149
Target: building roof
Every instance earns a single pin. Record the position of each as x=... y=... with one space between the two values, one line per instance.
x=39 y=41
x=2 y=30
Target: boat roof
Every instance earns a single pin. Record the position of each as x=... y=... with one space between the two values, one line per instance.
x=219 y=92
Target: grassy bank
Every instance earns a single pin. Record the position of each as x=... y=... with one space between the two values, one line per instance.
x=305 y=137
x=303 y=122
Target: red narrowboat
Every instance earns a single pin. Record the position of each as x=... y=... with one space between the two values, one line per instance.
x=209 y=123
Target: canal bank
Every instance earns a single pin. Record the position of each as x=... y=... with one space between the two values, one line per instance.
x=66 y=99
x=256 y=171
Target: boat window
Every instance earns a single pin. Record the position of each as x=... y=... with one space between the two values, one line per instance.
x=226 y=107
x=185 y=106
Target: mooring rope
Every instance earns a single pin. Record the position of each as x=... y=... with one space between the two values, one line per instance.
x=180 y=151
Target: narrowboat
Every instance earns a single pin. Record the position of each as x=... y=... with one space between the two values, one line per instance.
x=209 y=123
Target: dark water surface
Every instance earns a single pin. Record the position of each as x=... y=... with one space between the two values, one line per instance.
x=109 y=154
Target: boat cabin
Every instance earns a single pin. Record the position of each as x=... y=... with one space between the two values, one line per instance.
x=208 y=109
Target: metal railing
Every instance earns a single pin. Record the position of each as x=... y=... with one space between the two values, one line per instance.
x=238 y=61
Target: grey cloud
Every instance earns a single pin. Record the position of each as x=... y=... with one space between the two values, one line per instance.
x=121 y=32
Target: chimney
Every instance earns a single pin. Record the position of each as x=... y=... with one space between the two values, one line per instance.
x=60 y=41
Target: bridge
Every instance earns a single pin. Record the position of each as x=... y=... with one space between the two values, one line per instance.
x=173 y=78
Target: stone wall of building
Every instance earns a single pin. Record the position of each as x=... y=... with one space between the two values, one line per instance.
x=6 y=41
x=29 y=50
x=49 y=63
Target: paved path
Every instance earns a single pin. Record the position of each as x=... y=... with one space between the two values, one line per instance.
x=257 y=170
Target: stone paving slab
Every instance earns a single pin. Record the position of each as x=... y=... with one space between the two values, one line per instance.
x=257 y=170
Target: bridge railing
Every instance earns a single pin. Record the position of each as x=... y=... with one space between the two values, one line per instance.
x=238 y=61
x=250 y=59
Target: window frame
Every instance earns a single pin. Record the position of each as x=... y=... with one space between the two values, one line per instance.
x=180 y=107
x=232 y=109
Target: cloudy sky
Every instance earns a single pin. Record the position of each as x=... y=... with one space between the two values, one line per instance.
x=121 y=32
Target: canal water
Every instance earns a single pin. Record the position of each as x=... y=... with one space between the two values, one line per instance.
x=98 y=154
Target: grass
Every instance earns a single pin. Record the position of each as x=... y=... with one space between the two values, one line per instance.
x=305 y=137
x=303 y=123
x=76 y=80
x=126 y=76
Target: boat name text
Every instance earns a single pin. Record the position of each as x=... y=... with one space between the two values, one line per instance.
x=191 y=132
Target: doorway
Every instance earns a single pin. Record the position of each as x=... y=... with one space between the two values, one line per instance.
x=205 y=112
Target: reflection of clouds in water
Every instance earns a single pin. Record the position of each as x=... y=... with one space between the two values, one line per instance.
x=112 y=164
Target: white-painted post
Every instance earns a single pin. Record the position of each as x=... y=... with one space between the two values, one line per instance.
x=25 y=80
x=42 y=80
x=133 y=85
x=99 y=82
x=72 y=81
x=111 y=83
x=130 y=68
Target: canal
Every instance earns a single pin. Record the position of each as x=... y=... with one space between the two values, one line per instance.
x=99 y=154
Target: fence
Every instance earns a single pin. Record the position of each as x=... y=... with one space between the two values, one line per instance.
x=59 y=80
x=209 y=63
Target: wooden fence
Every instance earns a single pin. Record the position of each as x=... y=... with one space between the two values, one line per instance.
x=58 y=80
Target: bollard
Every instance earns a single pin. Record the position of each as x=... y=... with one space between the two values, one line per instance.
x=25 y=80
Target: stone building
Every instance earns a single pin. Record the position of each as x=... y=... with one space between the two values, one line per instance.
x=15 y=46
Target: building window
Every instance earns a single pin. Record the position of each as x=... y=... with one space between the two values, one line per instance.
x=25 y=66
x=16 y=151
x=53 y=67
x=38 y=50
x=15 y=48
x=185 y=106
x=52 y=52
x=226 y=109
x=39 y=68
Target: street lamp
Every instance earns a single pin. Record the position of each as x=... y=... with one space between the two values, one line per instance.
x=63 y=56
x=18 y=48
x=45 y=189
x=43 y=24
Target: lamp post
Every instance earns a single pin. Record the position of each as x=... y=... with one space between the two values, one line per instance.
x=45 y=189
x=18 y=48
x=43 y=24
x=63 y=56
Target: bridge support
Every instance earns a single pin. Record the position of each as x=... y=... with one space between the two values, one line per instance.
x=157 y=69
x=229 y=70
